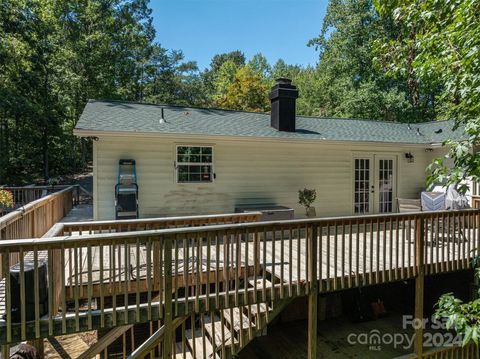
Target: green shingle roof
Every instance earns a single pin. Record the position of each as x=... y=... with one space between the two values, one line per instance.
x=124 y=117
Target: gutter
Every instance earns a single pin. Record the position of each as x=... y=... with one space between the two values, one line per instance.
x=178 y=136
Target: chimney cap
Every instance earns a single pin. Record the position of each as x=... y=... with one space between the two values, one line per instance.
x=283 y=81
x=283 y=88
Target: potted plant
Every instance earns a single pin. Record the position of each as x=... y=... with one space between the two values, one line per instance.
x=306 y=197
x=6 y=200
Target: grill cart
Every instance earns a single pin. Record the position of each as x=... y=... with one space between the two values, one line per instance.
x=126 y=191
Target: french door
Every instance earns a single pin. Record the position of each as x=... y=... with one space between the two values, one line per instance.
x=374 y=183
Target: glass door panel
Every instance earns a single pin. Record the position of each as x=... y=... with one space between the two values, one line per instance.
x=385 y=184
x=362 y=186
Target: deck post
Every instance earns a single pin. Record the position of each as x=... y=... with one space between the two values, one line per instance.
x=312 y=294
x=258 y=263
x=156 y=264
x=167 y=298
x=419 y=284
x=6 y=351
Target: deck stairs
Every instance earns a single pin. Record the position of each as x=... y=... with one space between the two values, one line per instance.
x=222 y=334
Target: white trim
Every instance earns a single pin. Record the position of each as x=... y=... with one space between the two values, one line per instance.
x=211 y=164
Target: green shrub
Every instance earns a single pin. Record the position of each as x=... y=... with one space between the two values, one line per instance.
x=306 y=197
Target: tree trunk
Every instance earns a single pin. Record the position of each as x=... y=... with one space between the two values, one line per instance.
x=45 y=155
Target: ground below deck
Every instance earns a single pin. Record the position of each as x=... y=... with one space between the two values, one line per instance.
x=289 y=340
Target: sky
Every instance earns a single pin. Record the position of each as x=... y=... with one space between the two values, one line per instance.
x=204 y=28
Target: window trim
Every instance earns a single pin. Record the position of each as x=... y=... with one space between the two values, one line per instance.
x=176 y=163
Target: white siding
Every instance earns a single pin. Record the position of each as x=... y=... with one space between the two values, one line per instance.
x=247 y=172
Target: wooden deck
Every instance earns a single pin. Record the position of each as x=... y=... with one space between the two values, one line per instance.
x=354 y=260
x=121 y=274
x=358 y=258
x=114 y=274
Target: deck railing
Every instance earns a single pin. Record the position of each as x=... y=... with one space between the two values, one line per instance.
x=470 y=351
x=35 y=218
x=200 y=269
x=129 y=225
x=26 y=194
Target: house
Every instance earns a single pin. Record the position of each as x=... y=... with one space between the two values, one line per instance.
x=205 y=161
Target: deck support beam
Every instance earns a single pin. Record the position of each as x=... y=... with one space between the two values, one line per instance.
x=419 y=285
x=312 y=295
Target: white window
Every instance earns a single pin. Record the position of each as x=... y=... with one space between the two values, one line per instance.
x=194 y=164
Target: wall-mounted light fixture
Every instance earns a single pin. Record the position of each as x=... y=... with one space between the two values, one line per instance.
x=409 y=157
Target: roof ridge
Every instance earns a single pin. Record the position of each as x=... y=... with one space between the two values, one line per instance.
x=263 y=113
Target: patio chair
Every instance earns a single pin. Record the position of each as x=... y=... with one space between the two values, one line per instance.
x=433 y=201
x=405 y=205
x=439 y=201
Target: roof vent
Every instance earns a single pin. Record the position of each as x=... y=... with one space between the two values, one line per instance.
x=283 y=98
x=162 y=118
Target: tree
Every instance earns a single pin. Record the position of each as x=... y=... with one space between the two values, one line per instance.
x=282 y=69
x=247 y=92
x=237 y=57
x=55 y=55
x=170 y=80
x=224 y=77
x=260 y=66
x=209 y=76
x=353 y=85
x=443 y=49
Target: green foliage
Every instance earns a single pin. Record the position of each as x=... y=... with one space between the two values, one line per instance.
x=55 y=55
x=237 y=57
x=439 y=44
x=399 y=62
x=260 y=66
x=306 y=197
x=350 y=83
x=439 y=47
x=167 y=79
x=224 y=77
x=248 y=92
x=463 y=317
x=210 y=75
